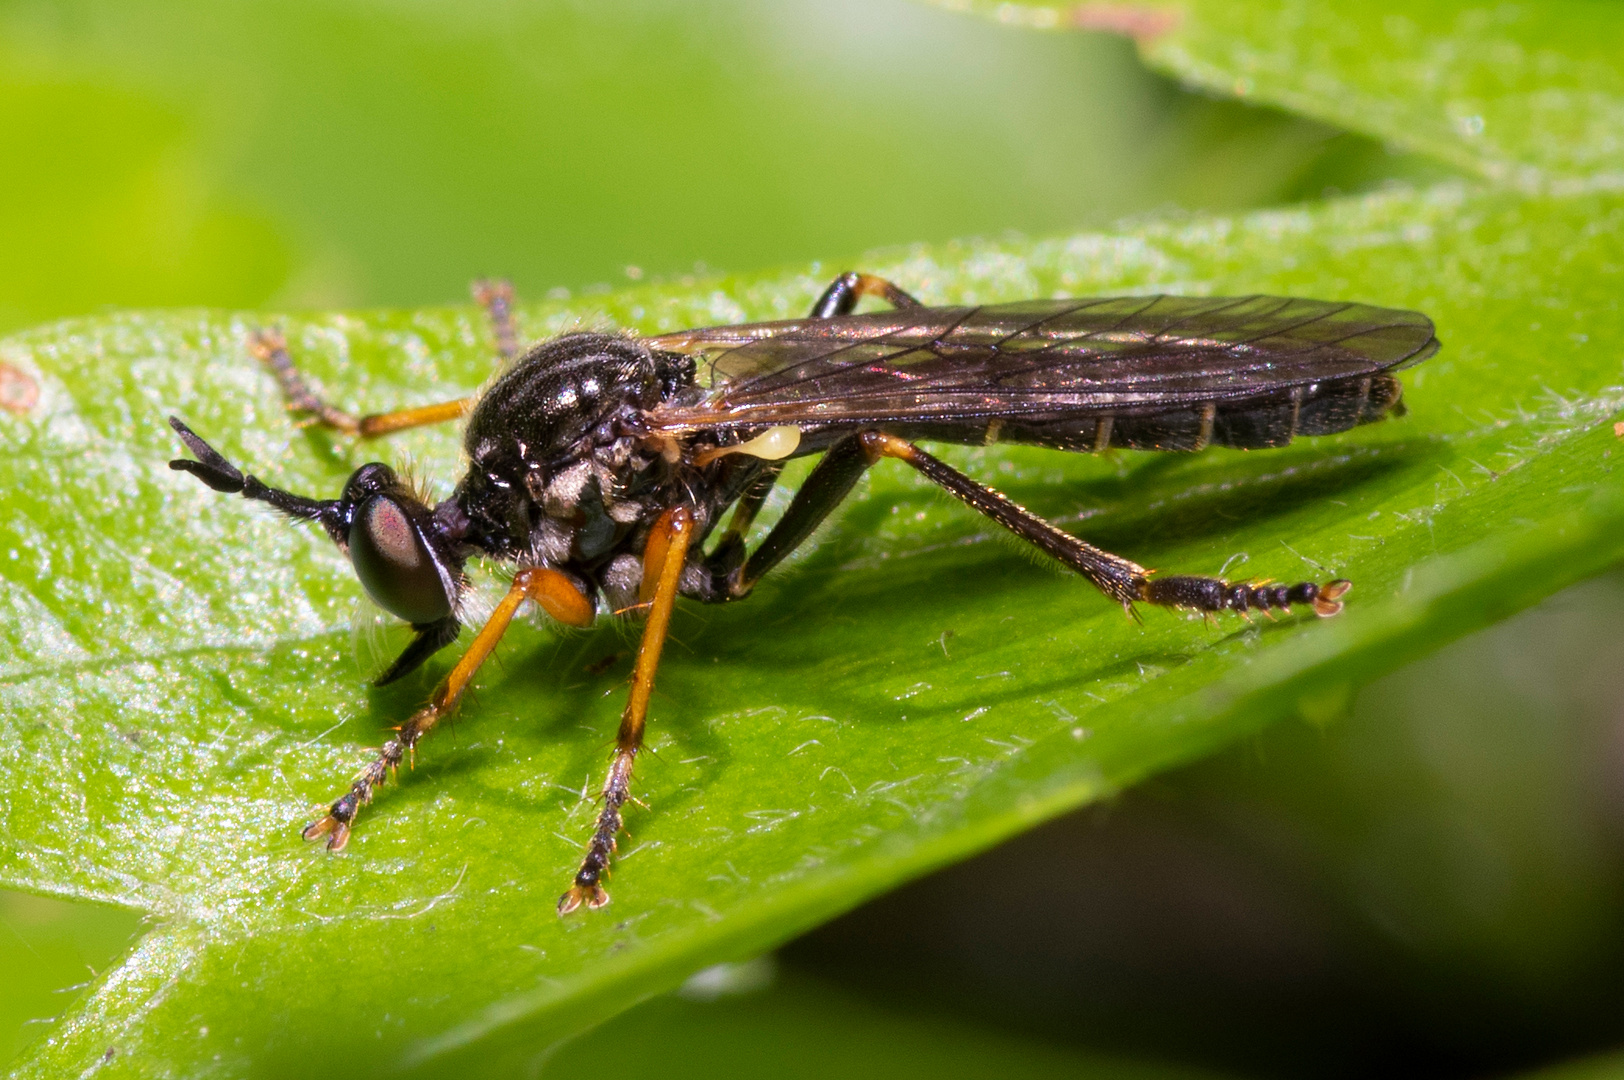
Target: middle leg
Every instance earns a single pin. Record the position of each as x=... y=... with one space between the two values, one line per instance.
x=841 y=297
x=829 y=483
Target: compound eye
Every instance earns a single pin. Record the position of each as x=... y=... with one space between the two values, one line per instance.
x=369 y=479
x=395 y=565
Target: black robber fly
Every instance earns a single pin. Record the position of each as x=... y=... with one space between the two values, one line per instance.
x=601 y=465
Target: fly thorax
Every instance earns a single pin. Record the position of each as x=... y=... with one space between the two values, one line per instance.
x=560 y=395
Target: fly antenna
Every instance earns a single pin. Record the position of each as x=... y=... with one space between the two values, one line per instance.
x=213 y=469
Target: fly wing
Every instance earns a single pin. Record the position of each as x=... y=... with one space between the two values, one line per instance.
x=1038 y=359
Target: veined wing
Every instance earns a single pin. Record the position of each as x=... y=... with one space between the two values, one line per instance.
x=1035 y=359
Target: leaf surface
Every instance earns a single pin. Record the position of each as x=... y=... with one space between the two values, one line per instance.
x=181 y=685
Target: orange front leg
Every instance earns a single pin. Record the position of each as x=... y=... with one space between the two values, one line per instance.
x=664 y=556
x=555 y=593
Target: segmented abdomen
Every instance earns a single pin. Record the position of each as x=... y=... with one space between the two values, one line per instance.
x=1248 y=424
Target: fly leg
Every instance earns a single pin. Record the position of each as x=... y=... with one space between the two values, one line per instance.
x=1123 y=581
x=726 y=559
x=728 y=554
x=271 y=349
x=496 y=297
x=664 y=557
x=556 y=593
x=826 y=487
x=841 y=297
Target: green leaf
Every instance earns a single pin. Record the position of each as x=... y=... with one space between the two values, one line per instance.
x=1528 y=94
x=784 y=1029
x=180 y=684
x=1600 y=1067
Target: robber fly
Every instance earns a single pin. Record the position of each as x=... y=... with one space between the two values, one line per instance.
x=600 y=464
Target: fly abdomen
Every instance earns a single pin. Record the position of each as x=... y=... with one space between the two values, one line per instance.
x=1317 y=409
x=1256 y=423
x=1253 y=423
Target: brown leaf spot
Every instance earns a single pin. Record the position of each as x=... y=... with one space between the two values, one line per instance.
x=18 y=390
x=1140 y=23
x=1618 y=429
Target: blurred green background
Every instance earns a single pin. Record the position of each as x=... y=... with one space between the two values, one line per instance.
x=1428 y=880
x=356 y=153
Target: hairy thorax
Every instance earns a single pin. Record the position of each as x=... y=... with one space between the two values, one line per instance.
x=560 y=472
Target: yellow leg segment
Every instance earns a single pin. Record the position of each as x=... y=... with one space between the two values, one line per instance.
x=664 y=557
x=554 y=592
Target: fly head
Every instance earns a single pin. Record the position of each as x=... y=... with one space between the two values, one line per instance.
x=404 y=554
